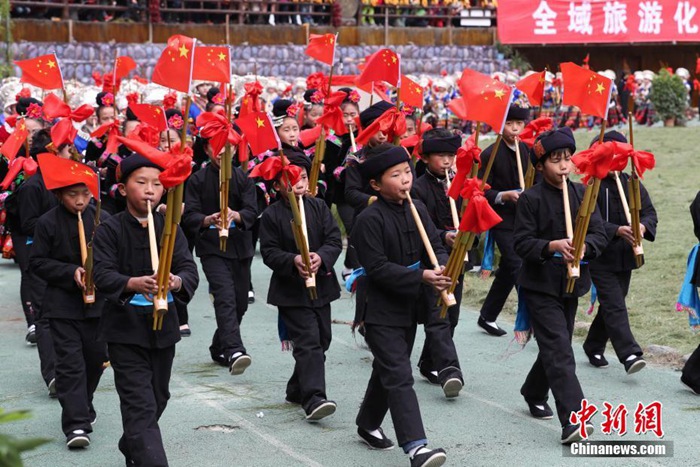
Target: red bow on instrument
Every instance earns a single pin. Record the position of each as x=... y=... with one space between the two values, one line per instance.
x=596 y=161
x=19 y=164
x=146 y=133
x=251 y=100
x=243 y=153
x=534 y=129
x=478 y=216
x=271 y=167
x=113 y=133
x=64 y=131
x=392 y=123
x=642 y=160
x=631 y=84
x=217 y=129
x=332 y=117
x=316 y=81
x=176 y=163
x=467 y=155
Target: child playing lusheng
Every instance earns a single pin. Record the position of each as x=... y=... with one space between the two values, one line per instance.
x=438 y=362
x=141 y=357
x=389 y=246
x=540 y=240
x=308 y=321
x=56 y=258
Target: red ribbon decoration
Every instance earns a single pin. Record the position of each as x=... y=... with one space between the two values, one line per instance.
x=332 y=117
x=479 y=216
x=642 y=160
x=596 y=161
x=217 y=129
x=467 y=156
x=631 y=84
x=113 y=133
x=64 y=131
x=17 y=165
x=533 y=129
x=176 y=164
x=243 y=152
x=271 y=167
x=392 y=123
x=146 y=133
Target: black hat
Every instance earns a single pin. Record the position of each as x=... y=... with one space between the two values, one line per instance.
x=212 y=92
x=279 y=111
x=24 y=102
x=373 y=112
x=440 y=140
x=132 y=163
x=561 y=138
x=299 y=159
x=612 y=135
x=518 y=113
x=375 y=166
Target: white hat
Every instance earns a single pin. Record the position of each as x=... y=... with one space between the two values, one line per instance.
x=499 y=75
x=648 y=74
x=683 y=73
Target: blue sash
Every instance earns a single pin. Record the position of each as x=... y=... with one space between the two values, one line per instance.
x=688 y=299
x=139 y=300
x=359 y=272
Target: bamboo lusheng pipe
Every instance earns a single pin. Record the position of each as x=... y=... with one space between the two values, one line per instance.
x=153 y=245
x=397 y=138
x=311 y=281
x=519 y=162
x=453 y=204
x=320 y=151
x=352 y=140
x=567 y=209
x=86 y=260
x=530 y=175
x=225 y=173
x=623 y=197
x=635 y=208
x=296 y=222
x=447 y=298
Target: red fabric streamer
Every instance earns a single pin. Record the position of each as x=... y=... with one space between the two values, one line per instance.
x=467 y=155
x=332 y=117
x=642 y=160
x=534 y=128
x=19 y=164
x=14 y=142
x=251 y=100
x=64 y=131
x=271 y=167
x=392 y=123
x=217 y=129
x=316 y=81
x=309 y=136
x=596 y=161
x=146 y=133
x=176 y=163
x=479 y=216
x=631 y=84
x=113 y=133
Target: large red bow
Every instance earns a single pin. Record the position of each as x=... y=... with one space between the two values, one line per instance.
x=176 y=163
x=112 y=131
x=17 y=165
x=596 y=161
x=217 y=129
x=642 y=160
x=392 y=123
x=146 y=133
x=533 y=129
x=271 y=167
x=332 y=116
x=64 y=131
x=631 y=84
x=467 y=155
x=479 y=216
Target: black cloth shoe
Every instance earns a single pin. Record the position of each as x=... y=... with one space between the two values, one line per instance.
x=185 y=330
x=321 y=409
x=383 y=444
x=570 y=433
x=634 y=365
x=544 y=413
x=251 y=297
x=451 y=386
x=428 y=375
x=220 y=359
x=598 y=361
x=52 y=388
x=433 y=458
x=693 y=388
x=237 y=365
x=77 y=439
x=293 y=399
x=30 y=338
x=497 y=331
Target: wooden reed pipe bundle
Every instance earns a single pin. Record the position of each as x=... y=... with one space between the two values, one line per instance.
x=153 y=246
x=447 y=298
x=86 y=260
x=519 y=162
x=319 y=153
x=311 y=281
x=573 y=268
x=225 y=172
x=635 y=207
x=453 y=204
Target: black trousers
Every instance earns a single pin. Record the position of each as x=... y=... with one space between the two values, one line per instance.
x=19 y=243
x=505 y=276
x=691 y=370
x=390 y=387
x=439 y=352
x=182 y=313
x=347 y=215
x=555 y=367
x=310 y=330
x=229 y=281
x=79 y=359
x=44 y=342
x=142 y=378
x=612 y=320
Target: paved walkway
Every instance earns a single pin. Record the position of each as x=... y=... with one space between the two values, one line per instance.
x=214 y=419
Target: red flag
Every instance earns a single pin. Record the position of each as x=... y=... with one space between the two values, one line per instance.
x=533 y=87
x=15 y=141
x=60 y=173
x=309 y=136
x=458 y=107
x=20 y=164
x=174 y=67
x=411 y=92
x=585 y=89
x=212 y=64
x=322 y=47
x=42 y=72
x=385 y=65
x=251 y=99
x=123 y=66
x=485 y=99
x=259 y=131
x=150 y=114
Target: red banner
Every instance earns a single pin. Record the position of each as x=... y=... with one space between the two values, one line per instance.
x=597 y=21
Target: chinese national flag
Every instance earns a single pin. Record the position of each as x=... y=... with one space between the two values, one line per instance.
x=123 y=66
x=411 y=92
x=385 y=65
x=533 y=87
x=585 y=89
x=485 y=99
x=15 y=141
x=174 y=67
x=212 y=64
x=60 y=173
x=258 y=130
x=151 y=115
x=322 y=47
x=42 y=72
x=458 y=108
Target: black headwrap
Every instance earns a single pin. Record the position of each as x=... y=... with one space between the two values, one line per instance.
x=377 y=165
x=518 y=113
x=612 y=135
x=132 y=163
x=435 y=145
x=561 y=138
x=370 y=114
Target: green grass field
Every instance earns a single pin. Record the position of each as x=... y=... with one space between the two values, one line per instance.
x=672 y=186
